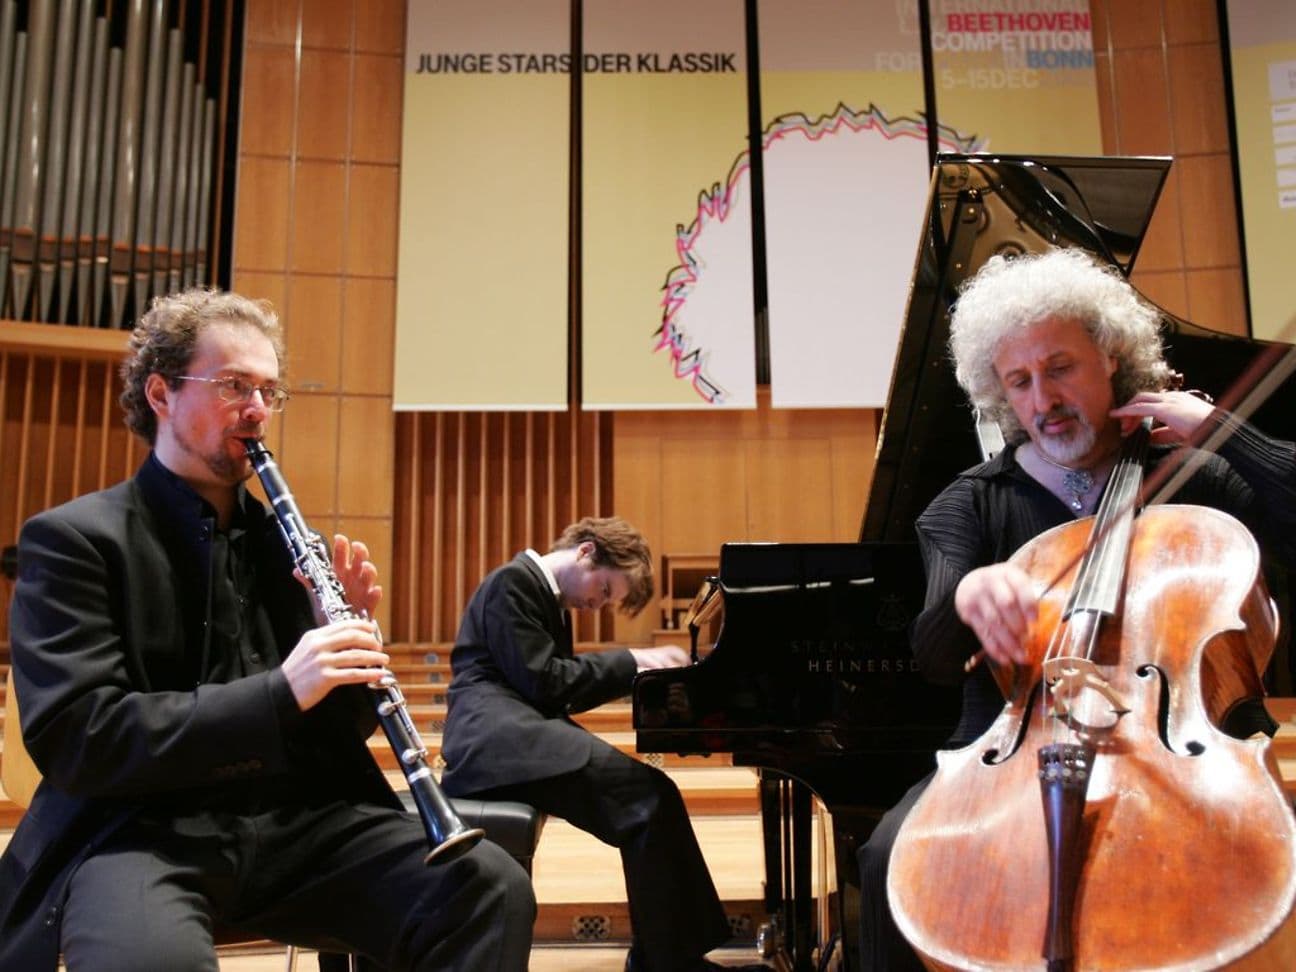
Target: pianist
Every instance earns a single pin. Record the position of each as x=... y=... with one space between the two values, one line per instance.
x=509 y=733
x=1050 y=345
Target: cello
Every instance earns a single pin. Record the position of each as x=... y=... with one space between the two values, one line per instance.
x=1104 y=821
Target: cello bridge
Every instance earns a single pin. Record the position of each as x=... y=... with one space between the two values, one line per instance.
x=1068 y=677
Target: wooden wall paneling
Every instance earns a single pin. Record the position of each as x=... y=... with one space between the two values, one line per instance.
x=458 y=593
x=1216 y=299
x=1195 y=73
x=854 y=442
x=789 y=490
x=1165 y=288
x=271 y=22
x=637 y=495
x=1163 y=243
x=504 y=549
x=268 y=286
x=25 y=433
x=1133 y=23
x=704 y=494
x=551 y=474
x=328 y=23
x=324 y=118
x=485 y=451
x=587 y=471
x=10 y=430
x=1143 y=118
x=105 y=440
x=266 y=117
x=380 y=26
x=1210 y=216
x=1191 y=21
x=58 y=483
x=309 y=454
x=368 y=312
x=435 y=491
x=376 y=120
x=79 y=423
x=107 y=424
x=403 y=609
x=529 y=461
x=1105 y=81
x=262 y=213
x=373 y=207
x=319 y=226
x=10 y=513
x=366 y=458
x=313 y=332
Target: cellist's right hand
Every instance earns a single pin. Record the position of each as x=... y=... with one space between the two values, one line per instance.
x=998 y=603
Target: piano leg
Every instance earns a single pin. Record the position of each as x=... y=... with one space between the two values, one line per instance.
x=785 y=822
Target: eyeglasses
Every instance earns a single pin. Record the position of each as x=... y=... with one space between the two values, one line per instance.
x=239 y=390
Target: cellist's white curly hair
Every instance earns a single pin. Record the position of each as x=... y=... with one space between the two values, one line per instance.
x=1007 y=296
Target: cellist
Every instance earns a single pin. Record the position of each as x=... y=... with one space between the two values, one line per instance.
x=1067 y=356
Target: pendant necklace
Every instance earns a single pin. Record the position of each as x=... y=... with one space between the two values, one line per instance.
x=1077 y=482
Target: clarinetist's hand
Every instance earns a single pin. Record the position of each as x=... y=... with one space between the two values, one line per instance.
x=357 y=573
x=341 y=653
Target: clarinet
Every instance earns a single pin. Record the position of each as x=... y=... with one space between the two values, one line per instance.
x=447 y=835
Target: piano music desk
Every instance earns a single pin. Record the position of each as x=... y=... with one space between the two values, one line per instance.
x=682 y=576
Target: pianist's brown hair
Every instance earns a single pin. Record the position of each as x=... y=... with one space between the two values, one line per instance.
x=166 y=338
x=619 y=545
x=1007 y=296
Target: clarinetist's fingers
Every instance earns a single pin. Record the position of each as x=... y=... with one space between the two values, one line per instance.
x=357 y=573
x=342 y=653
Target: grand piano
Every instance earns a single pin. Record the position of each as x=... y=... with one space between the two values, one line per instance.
x=811 y=677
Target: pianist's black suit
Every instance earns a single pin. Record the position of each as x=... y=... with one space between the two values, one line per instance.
x=509 y=735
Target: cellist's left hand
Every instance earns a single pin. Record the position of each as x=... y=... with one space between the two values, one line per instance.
x=1176 y=415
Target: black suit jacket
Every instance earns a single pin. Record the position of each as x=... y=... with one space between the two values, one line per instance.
x=515 y=682
x=108 y=628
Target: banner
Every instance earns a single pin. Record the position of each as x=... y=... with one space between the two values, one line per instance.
x=482 y=282
x=666 y=272
x=1262 y=36
x=845 y=161
x=1017 y=74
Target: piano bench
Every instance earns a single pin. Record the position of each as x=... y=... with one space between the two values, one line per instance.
x=512 y=825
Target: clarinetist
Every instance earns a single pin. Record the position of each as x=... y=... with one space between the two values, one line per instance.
x=200 y=732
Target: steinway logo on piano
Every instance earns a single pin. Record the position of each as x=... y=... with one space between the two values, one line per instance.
x=827 y=656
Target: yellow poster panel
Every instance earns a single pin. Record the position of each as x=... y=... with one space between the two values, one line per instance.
x=666 y=215
x=482 y=285
x=1264 y=106
x=1020 y=78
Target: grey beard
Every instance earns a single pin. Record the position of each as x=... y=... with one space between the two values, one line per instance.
x=1070 y=449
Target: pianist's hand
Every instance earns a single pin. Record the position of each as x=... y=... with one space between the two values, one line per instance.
x=662 y=656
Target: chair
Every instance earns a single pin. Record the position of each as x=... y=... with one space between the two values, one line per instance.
x=513 y=826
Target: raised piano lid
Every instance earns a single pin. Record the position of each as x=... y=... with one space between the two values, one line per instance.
x=982 y=205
